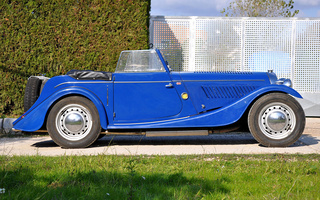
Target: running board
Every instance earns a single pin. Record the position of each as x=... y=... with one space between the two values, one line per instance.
x=161 y=133
x=123 y=133
x=152 y=133
x=177 y=133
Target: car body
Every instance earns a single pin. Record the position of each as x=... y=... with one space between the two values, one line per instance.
x=144 y=94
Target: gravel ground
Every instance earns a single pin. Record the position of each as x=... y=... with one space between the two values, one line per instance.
x=230 y=143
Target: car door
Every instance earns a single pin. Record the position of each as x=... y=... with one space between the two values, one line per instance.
x=143 y=89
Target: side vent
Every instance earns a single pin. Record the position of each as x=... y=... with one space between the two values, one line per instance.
x=226 y=92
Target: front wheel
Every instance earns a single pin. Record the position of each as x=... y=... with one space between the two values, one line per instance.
x=73 y=122
x=276 y=120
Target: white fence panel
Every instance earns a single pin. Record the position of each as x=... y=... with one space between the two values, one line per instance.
x=289 y=46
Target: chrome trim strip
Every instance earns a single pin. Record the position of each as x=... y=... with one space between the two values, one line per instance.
x=107 y=96
x=90 y=82
x=117 y=124
x=142 y=81
x=261 y=80
x=81 y=83
x=219 y=80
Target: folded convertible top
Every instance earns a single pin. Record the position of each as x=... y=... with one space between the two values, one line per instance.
x=90 y=75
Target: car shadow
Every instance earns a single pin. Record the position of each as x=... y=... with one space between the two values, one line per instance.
x=306 y=140
x=112 y=140
x=243 y=138
x=213 y=139
x=45 y=144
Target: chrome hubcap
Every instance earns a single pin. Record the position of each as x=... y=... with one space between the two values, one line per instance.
x=277 y=121
x=74 y=122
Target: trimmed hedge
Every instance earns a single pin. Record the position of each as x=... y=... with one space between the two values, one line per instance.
x=55 y=36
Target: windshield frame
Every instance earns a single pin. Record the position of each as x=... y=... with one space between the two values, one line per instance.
x=140 y=65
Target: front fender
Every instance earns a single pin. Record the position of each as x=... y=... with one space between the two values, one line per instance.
x=239 y=108
x=247 y=101
x=278 y=88
x=34 y=118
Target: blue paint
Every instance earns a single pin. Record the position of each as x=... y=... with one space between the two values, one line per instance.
x=149 y=100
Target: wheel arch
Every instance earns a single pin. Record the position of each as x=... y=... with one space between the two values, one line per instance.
x=96 y=101
x=261 y=95
x=44 y=104
x=288 y=91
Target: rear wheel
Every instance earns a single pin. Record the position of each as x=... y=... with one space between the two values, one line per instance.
x=276 y=120
x=32 y=92
x=74 y=122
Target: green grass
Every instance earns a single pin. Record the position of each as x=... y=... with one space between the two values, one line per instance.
x=161 y=177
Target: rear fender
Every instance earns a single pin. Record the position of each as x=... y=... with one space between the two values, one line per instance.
x=39 y=110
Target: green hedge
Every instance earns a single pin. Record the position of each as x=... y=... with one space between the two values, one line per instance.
x=55 y=36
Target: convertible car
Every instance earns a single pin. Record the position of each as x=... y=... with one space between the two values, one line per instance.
x=144 y=96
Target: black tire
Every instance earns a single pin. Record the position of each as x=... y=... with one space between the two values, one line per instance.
x=74 y=122
x=276 y=120
x=32 y=92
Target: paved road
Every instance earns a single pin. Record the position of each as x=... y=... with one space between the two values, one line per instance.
x=234 y=143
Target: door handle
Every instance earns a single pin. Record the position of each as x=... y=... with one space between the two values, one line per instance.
x=170 y=85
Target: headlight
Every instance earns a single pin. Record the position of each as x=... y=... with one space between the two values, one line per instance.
x=287 y=82
x=274 y=80
x=283 y=81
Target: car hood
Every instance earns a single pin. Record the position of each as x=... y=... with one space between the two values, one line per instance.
x=214 y=90
x=224 y=76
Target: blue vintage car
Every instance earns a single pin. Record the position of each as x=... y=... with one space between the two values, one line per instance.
x=144 y=96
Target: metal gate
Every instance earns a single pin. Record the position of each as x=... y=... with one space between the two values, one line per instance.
x=289 y=46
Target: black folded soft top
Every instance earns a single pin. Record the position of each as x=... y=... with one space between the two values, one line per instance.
x=90 y=75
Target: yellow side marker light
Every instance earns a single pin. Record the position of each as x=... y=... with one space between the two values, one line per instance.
x=184 y=96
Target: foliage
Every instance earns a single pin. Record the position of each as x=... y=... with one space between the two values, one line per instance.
x=160 y=177
x=55 y=36
x=260 y=8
